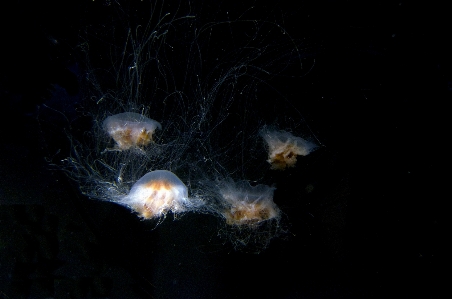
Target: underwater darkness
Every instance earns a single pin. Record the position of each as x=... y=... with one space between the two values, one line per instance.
x=365 y=212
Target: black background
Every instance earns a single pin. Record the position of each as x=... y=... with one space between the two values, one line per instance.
x=373 y=226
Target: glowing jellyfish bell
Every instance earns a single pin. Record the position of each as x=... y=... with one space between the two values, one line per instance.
x=283 y=148
x=156 y=193
x=130 y=129
x=243 y=204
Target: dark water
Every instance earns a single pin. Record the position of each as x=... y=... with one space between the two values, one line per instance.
x=369 y=216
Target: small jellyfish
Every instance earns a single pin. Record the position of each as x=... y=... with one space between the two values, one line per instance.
x=130 y=130
x=283 y=148
x=251 y=217
x=243 y=204
x=156 y=193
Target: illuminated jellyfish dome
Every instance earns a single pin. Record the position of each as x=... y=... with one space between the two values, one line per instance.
x=156 y=193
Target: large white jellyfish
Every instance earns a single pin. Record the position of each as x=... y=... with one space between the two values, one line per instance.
x=156 y=193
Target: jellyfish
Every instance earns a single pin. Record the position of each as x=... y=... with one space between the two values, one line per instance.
x=204 y=138
x=243 y=204
x=155 y=194
x=130 y=130
x=283 y=148
x=251 y=219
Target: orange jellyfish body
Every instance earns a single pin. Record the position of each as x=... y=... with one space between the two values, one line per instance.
x=130 y=129
x=244 y=204
x=283 y=148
